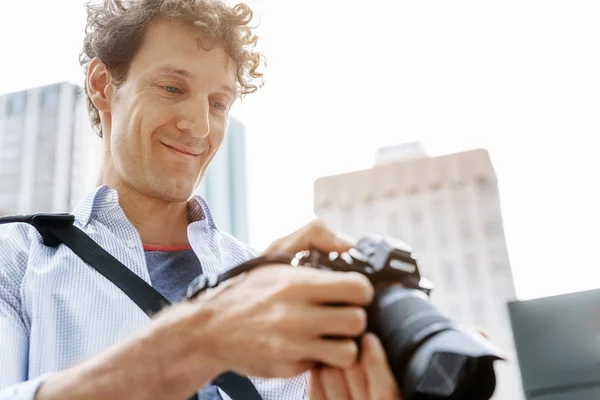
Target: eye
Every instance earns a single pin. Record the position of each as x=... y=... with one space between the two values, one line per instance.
x=171 y=89
x=220 y=106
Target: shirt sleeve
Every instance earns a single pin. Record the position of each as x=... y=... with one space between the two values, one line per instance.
x=23 y=390
x=14 y=334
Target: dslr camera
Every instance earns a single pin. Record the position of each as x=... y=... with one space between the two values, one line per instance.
x=431 y=356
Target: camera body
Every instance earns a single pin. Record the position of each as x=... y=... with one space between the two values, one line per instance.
x=385 y=261
x=431 y=356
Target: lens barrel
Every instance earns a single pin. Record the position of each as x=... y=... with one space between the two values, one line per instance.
x=431 y=357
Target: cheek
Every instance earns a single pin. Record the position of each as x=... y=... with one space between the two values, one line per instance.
x=125 y=121
x=141 y=126
x=216 y=139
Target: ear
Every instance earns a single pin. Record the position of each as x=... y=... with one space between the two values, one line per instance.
x=99 y=85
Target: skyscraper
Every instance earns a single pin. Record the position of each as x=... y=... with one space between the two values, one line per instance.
x=448 y=208
x=47 y=149
x=224 y=186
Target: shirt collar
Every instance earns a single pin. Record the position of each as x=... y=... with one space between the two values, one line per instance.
x=104 y=198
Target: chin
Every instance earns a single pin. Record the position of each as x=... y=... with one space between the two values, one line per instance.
x=172 y=190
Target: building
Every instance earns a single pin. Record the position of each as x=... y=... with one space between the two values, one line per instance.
x=48 y=150
x=224 y=186
x=448 y=208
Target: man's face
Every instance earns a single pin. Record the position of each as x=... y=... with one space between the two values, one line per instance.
x=169 y=117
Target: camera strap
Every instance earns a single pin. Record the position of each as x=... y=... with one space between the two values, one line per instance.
x=59 y=228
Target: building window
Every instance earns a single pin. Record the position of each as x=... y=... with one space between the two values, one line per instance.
x=484 y=184
x=447 y=273
x=49 y=98
x=417 y=241
x=460 y=201
x=325 y=204
x=498 y=259
x=415 y=216
x=493 y=229
x=17 y=103
x=440 y=232
x=435 y=186
x=472 y=270
x=415 y=220
x=369 y=216
x=454 y=312
x=347 y=215
x=390 y=194
x=461 y=210
x=438 y=210
x=487 y=190
x=464 y=225
x=479 y=311
x=393 y=225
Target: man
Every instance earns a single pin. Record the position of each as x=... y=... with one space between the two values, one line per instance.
x=161 y=78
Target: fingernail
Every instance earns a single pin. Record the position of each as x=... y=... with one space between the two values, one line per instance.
x=370 y=339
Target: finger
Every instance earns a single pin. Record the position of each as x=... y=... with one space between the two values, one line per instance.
x=334 y=384
x=380 y=379
x=319 y=320
x=320 y=286
x=356 y=381
x=315 y=388
x=337 y=353
x=340 y=288
x=313 y=235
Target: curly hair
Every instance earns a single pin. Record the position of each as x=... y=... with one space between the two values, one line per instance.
x=115 y=30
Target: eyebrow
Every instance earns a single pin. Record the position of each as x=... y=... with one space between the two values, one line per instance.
x=172 y=70
x=169 y=69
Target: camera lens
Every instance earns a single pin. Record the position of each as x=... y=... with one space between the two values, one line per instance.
x=430 y=356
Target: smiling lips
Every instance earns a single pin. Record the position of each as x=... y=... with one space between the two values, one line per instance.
x=184 y=150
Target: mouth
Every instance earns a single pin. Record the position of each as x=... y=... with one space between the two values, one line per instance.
x=183 y=150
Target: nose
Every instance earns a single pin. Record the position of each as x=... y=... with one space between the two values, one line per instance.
x=196 y=122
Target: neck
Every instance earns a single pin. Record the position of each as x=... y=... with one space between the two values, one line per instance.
x=159 y=222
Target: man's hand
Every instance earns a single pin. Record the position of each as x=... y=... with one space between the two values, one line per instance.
x=279 y=320
x=275 y=321
x=369 y=379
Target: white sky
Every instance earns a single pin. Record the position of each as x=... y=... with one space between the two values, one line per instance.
x=518 y=77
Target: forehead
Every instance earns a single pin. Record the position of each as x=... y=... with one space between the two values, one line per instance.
x=182 y=46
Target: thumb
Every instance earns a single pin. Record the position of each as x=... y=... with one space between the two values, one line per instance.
x=313 y=235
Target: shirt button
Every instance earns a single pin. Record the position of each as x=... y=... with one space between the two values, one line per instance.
x=110 y=198
x=131 y=243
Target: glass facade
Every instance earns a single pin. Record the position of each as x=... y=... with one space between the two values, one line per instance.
x=11 y=151
x=37 y=131
x=45 y=150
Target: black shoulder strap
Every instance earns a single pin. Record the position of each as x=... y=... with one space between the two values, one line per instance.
x=59 y=228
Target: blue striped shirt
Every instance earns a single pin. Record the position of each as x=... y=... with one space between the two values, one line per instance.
x=56 y=310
